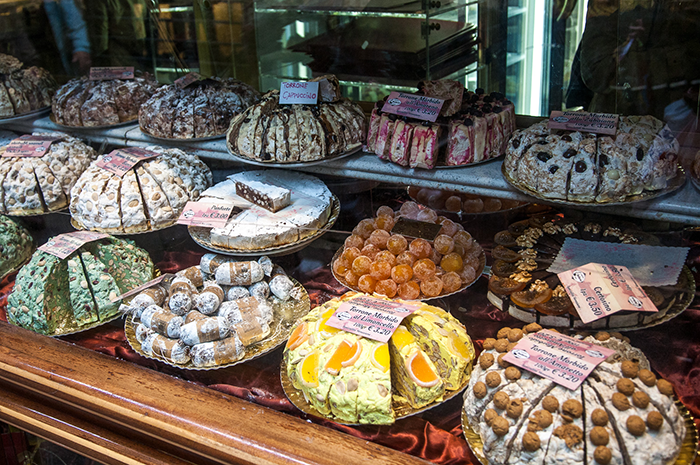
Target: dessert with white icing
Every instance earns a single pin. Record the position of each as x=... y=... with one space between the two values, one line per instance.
x=23 y=90
x=149 y=196
x=201 y=109
x=254 y=227
x=621 y=414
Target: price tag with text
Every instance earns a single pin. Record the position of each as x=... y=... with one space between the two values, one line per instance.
x=598 y=123
x=111 y=72
x=298 y=92
x=413 y=106
x=206 y=214
x=187 y=79
x=370 y=317
x=120 y=161
x=29 y=146
x=65 y=244
x=559 y=358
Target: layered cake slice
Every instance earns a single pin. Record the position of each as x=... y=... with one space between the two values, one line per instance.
x=265 y=194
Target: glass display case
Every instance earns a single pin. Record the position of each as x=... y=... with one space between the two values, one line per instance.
x=94 y=394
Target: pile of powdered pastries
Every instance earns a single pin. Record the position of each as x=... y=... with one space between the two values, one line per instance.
x=212 y=312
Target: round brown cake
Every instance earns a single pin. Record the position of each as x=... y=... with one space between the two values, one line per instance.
x=201 y=109
x=23 y=90
x=270 y=132
x=35 y=185
x=81 y=102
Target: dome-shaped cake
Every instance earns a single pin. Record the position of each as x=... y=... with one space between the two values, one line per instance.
x=356 y=380
x=23 y=90
x=82 y=102
x=270 y=132
x=34 y=185
x=149 y=196
x=15 y=245
x=202 y=109
x=55 y=296
x=620 y=414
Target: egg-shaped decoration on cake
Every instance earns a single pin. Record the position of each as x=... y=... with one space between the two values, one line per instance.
x=149 y=196
x=23 y=90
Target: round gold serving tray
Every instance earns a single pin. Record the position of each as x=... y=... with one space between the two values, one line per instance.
x=202 y=237
x=479 y=271
x=118 y=233
x=285 y=315
x=182 y=139
x=673 y=185
x=22 y=214
x=294 y=164
x=680 y=301
x=689 y=448
x=400 y=405
x=31 y=114
x=90 y=128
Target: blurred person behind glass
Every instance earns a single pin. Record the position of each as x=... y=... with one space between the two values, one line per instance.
x=70 y=33
x=117 y=31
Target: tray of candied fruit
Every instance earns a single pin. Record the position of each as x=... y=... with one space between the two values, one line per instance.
x=375 y=260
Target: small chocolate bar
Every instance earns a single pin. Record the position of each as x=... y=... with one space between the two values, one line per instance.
x=328 y=88
x=266 y=195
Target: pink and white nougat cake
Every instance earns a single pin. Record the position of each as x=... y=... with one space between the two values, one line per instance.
x=425 y=146
x=373 y=130
x=386 y=131
x=399 y=151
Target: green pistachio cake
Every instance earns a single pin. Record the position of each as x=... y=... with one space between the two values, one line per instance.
x=15 y=246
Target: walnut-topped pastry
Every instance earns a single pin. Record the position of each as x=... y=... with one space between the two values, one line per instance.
x=616 y=416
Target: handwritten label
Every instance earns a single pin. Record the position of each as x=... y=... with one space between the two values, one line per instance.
x=29 y=146
x=599 y=123
x=111 y=72
x=292 y=92
x=65 y=244
x=143 y=287
x=187 y=79
x=207 y=214
x=120 y=161
x=598 y=290
x=414 y=228
x=413 y=106
x=562 y=359
x=370 y=317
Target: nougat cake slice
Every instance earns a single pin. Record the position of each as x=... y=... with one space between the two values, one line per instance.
x=566 y=445
x=599 y=431
x=158 y=208
x=160 y=171
x=21 y=189
x=85 y=202
x=109 y=206
x=312 y=140
x=132 y=205
x=84 y=308
x=102 y=285
x=50 y=187
x=375 y=391
x=129 y=265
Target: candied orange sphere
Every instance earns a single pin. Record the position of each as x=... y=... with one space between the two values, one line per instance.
x=453 y=203
x=384 y=222
x=354 y=240
x=406 y=258
x=396 y=244
x=386 y=287
x=385 y=210
x=449 y=227
x=464 y=239
x=424 y=269
x=451 y=262
x=444 y=244
x=386 y=256
x=350 y=254
x=472 y=205
x=428 y=215
x=370 y=250
x=420 y=248
x=401 y=273
x=379 y=238
x=351 y=278
x=341 y=266
x=431 y=287
x=492 y=205
x=410 y=210
x=468 y=274
x=409 y=290
x=364 y=228
x=451 y=282
x=361 y=265
x=366 y=284
x=435 y=257
x=380 y=270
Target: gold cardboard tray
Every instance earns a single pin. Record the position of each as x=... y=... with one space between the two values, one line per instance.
x=285 y=315
x=689 y=448
x=22 y=214
x=400 y=405
x=77 y=226
x=479 y=271
x=673 y=184
x=294 y=164
x=201 y=236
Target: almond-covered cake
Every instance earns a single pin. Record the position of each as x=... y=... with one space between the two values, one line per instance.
x=53 y=296
x=23 y=90
x=472 y=127
x=589 y=168
x=621 y=414
x=82 y=102
x=149 y=196
x=35 y=185
x=201 y=109
x=265 y=220
x=270 y=132
x=353 y=379
x=15 y=245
